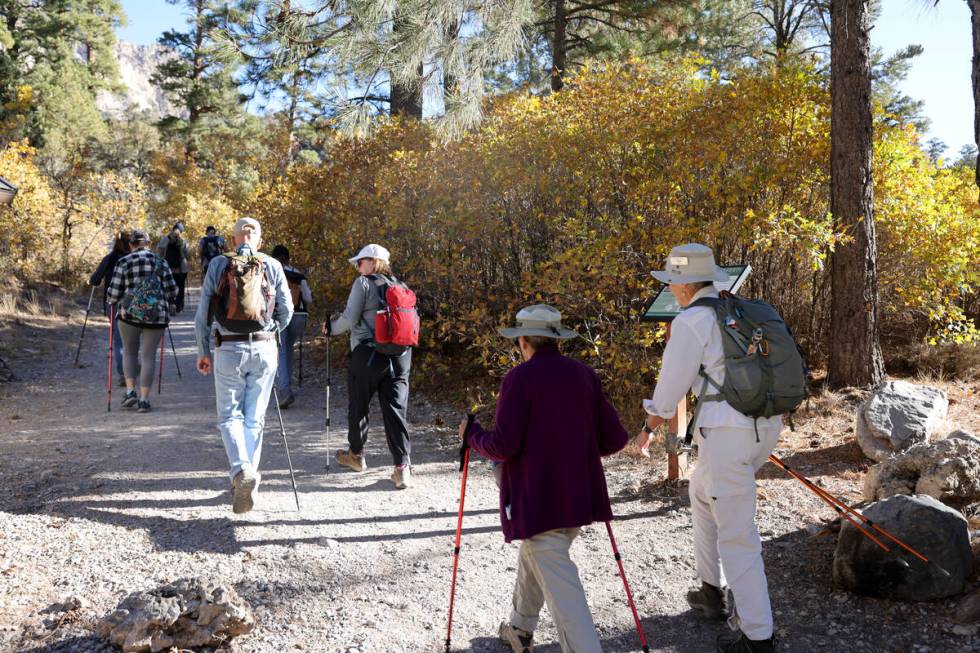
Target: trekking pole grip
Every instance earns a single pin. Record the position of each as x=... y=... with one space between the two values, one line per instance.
x=464 y=447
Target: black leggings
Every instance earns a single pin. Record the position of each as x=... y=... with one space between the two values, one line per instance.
x=387 y=376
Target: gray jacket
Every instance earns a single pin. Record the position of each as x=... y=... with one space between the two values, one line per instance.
x=358 y=317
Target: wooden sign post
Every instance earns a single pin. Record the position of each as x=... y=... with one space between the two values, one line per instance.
x=677 y=463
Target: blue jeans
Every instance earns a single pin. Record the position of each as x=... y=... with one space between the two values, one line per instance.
x=290 y=336
x=117 y=348
x=243 y=377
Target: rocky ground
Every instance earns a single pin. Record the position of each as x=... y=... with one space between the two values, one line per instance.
x=96 y=504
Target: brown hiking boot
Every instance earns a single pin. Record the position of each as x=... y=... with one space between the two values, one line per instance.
x=518 y=640
x=243 y=488
x=402 y=477
x=739 y=643
x=708 y=600
x=354 y=461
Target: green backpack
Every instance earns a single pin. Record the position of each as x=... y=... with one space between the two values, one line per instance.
x=765 y=370
x=145 y=302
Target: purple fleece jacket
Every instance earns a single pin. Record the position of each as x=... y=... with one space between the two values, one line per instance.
x=553 y=425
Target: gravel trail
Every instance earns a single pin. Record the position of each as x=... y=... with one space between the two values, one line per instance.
x=97 y=504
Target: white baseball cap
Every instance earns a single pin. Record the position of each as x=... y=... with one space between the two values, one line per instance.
x=371 y=251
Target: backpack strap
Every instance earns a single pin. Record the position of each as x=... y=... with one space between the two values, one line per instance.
x=689 y=435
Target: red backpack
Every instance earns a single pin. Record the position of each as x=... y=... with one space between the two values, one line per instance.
x=396 y=324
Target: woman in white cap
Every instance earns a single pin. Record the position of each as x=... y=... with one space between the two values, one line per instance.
x=372 y=372
x=727 y=547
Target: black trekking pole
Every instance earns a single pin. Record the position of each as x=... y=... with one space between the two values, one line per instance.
x=289 y=461
x=464 y=466
x=108 y=403
x=84 y=324
x=174 y=350
x=326 y=437
x=629 y=594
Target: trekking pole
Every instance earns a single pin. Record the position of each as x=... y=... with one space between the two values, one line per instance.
x=464 y=466
x=300 y=360
x=629 y=595
x=289 y=461
x=84 y=324
x=174 y=350
x=160 y=381
x=326 y=436
x=839 y=506
x=108 y=404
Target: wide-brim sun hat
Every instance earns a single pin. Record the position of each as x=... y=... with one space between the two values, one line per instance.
x=689 y=264
x=371 y=251
x=538 y=320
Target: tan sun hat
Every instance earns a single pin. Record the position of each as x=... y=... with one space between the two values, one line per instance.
x=538 y=320
x=689 y=264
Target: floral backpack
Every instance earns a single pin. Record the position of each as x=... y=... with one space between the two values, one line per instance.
x=145 y=302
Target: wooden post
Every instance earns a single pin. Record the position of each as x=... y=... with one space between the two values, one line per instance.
x=677 y=462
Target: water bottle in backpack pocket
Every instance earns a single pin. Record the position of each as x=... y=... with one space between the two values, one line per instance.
x=396 y=323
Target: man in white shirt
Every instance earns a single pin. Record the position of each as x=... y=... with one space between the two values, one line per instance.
x=727 y=547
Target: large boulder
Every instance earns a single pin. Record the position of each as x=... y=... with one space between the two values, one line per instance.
x=938 y=532
x=948 y=470
x=899 y=415
x=185 y=614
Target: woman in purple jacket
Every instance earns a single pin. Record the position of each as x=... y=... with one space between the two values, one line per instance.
x=553 y=424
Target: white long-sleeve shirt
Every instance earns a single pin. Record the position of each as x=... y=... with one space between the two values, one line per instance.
x=695 y=340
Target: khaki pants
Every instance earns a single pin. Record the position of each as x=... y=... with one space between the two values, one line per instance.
x=727 y=548
x=546 y=574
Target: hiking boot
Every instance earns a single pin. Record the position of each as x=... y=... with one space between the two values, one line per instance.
x=518 y=640
x=243 y=488
x=708 y=600
x=143 y=406
x=122 y=381
x=402 y=477
x=129 y=399
x=288 y=401
x=739 y=643
x=354 y=461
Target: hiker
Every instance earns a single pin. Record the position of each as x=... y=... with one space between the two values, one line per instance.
x=239 y=290
x=144 y=293
x=103 y=275
x=372 y=371
x=552 y=426
x=174 y=249
x=731 y=447
x=210 y=247
x=299 y=292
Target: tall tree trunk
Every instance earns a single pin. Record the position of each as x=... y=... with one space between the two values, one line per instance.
x=559 y=47
x=855 y=354
x=975 y=19
x=405 y=100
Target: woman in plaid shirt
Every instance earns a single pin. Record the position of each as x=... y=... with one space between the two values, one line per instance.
x=137 y=325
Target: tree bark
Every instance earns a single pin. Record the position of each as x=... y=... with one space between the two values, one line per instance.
x=855 y=354
x=975 y=20
x=559 y=47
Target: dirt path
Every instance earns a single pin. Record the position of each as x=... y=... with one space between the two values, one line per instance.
x=96 y=505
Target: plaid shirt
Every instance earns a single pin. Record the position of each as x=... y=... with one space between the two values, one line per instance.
x=133 y=268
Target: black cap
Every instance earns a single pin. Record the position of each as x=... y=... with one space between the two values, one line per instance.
x=280 y=253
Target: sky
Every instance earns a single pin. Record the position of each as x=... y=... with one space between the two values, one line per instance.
x=940 y=76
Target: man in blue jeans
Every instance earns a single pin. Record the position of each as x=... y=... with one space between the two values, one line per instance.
x=246 y=361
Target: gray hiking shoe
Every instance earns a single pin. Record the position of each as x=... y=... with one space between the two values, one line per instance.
x=351 y=460
x=243 y=488
x=129 y=399
x=402 y=477
x=518 y=640
x=708 y=600
x=143 y=406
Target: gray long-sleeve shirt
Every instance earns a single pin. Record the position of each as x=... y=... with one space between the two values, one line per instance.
x=358 y=317
x=281 y=314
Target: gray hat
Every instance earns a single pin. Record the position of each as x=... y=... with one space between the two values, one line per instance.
x=139 y=237
x=689 y=264
x=538 y=320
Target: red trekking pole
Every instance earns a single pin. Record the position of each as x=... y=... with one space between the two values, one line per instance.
x=108 y=405
x=464 y=466
x=629 y=595
x=160 y=381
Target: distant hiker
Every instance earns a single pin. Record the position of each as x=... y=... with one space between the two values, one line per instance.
x=245 y=292
x=553 y=424
x=144 y=293
x=731 y=448
x=377 y=365
x=103 y=275
x=174 y=250
x=299 y=292
x=210 y=247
